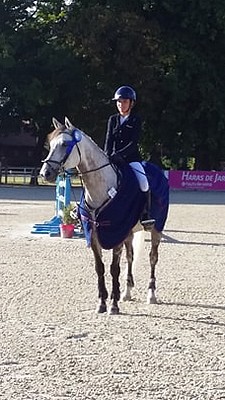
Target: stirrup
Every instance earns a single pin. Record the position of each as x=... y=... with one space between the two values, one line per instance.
x=148 y=224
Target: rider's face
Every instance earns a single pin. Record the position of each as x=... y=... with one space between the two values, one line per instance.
x=123 y=106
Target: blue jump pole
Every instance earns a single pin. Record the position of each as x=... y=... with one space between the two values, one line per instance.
x=63 y=192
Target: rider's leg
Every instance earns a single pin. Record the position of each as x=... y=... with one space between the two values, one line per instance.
x=140 y=175
x=146 y=221
x=144 y=186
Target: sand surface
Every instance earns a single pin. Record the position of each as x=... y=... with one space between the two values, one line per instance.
x=53 y=346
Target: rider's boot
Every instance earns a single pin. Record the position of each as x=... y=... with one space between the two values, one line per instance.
x=147 y=222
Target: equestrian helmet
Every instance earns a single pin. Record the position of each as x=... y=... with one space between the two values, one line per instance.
x=125 y=92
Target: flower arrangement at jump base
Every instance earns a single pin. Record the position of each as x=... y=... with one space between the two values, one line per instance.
x=69 y=219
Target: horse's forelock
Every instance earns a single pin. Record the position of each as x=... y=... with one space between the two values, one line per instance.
x=54 y=134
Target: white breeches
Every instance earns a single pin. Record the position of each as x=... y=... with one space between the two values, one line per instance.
x=140 y=175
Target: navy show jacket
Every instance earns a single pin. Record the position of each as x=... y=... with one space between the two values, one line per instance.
x=123 y=139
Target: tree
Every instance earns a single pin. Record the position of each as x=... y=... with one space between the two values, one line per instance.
x=67 y=58
x=167 y=51
x=194 y=37
x=116 y=50
x=40 y=76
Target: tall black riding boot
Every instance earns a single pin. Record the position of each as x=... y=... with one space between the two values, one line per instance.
x=146 y=222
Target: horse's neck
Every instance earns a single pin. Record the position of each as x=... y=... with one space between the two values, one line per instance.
x=96 y=183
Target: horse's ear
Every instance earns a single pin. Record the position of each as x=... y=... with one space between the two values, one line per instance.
x=68 y=124
x=56 y=123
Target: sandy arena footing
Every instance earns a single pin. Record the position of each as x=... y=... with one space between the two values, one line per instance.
x=55 y=347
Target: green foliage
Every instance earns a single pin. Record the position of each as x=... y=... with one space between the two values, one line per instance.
x=68 y=216
x=63 y=59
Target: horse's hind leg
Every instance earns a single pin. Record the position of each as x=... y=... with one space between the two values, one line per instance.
x=126 y=295
x=100 y=270
x=115 y=273
x=153 y=256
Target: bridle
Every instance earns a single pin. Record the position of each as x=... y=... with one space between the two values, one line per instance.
x=76 y=138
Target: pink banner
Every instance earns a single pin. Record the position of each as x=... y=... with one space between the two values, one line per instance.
x=201 y=180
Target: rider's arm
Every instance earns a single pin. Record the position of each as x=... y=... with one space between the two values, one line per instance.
x=108 y=147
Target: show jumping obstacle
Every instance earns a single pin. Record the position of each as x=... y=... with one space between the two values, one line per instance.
x=63 y=197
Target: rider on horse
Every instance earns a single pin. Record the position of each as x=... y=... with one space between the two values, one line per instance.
x=121 y=143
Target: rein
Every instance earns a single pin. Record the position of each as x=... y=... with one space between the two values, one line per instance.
x=93 y=170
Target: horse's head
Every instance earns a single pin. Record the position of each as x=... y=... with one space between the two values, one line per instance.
x=62 y=141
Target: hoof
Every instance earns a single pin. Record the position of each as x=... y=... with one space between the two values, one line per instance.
x=101 y=309
x=126 y=297
x=114 y=310
x=151 y=300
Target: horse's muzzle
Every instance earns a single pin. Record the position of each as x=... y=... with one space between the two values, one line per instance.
x=48 y=174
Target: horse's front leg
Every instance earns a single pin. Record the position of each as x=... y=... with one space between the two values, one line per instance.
x=126 y=295
x=100 y=270
x=153 y=256
x=115 y=273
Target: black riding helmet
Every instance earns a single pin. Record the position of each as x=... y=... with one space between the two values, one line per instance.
x=125 y=92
